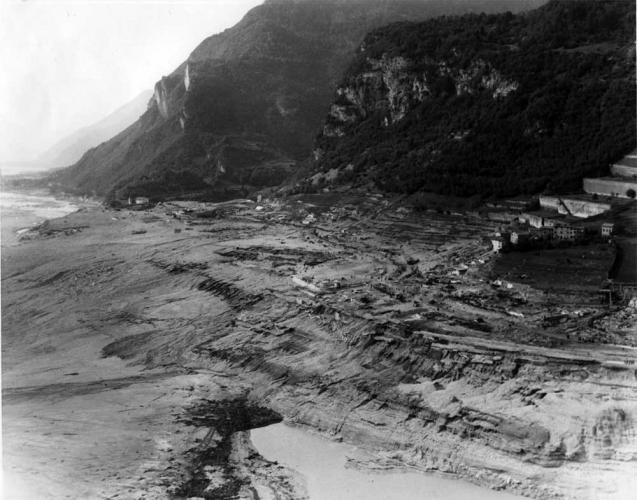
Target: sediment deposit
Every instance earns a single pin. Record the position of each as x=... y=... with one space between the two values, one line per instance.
x=139 y=346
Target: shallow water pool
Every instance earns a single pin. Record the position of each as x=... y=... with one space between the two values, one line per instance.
x=322 y=464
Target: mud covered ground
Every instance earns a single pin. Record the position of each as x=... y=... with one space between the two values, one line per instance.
x=139 y=347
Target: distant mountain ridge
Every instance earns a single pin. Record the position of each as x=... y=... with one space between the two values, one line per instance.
x=70 y=149
x=485 y=104
x=245 y=107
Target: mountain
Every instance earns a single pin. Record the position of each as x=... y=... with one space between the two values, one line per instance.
x=245 y=107
x=70 y=149
x=485 y=104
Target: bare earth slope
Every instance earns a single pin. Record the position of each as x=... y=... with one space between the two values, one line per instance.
x=138 y=347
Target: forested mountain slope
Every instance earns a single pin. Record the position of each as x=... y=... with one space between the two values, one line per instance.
x=488 y=104
x=248 y=102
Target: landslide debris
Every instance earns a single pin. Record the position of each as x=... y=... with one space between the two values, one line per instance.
x=393 y=329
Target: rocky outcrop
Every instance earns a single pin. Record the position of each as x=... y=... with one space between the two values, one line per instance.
x=391 y=87
x=161 y=98
x=187 y=78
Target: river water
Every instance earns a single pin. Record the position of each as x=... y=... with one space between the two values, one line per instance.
x=19 y=211
x=322 y=463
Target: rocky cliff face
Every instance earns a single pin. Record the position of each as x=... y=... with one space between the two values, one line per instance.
x=393 y=86
x=246 y=105
x=497 y=104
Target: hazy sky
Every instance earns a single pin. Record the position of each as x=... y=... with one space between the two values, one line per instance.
x=67 y=64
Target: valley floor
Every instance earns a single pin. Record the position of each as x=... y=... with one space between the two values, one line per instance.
x=140 y=346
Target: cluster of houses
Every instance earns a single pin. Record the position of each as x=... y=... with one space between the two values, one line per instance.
x=559 y=218
x=534 y=231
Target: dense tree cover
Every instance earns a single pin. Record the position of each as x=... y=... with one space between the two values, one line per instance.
x=572 y=114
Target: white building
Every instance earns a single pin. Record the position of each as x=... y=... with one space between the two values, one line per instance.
x=497 y=243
